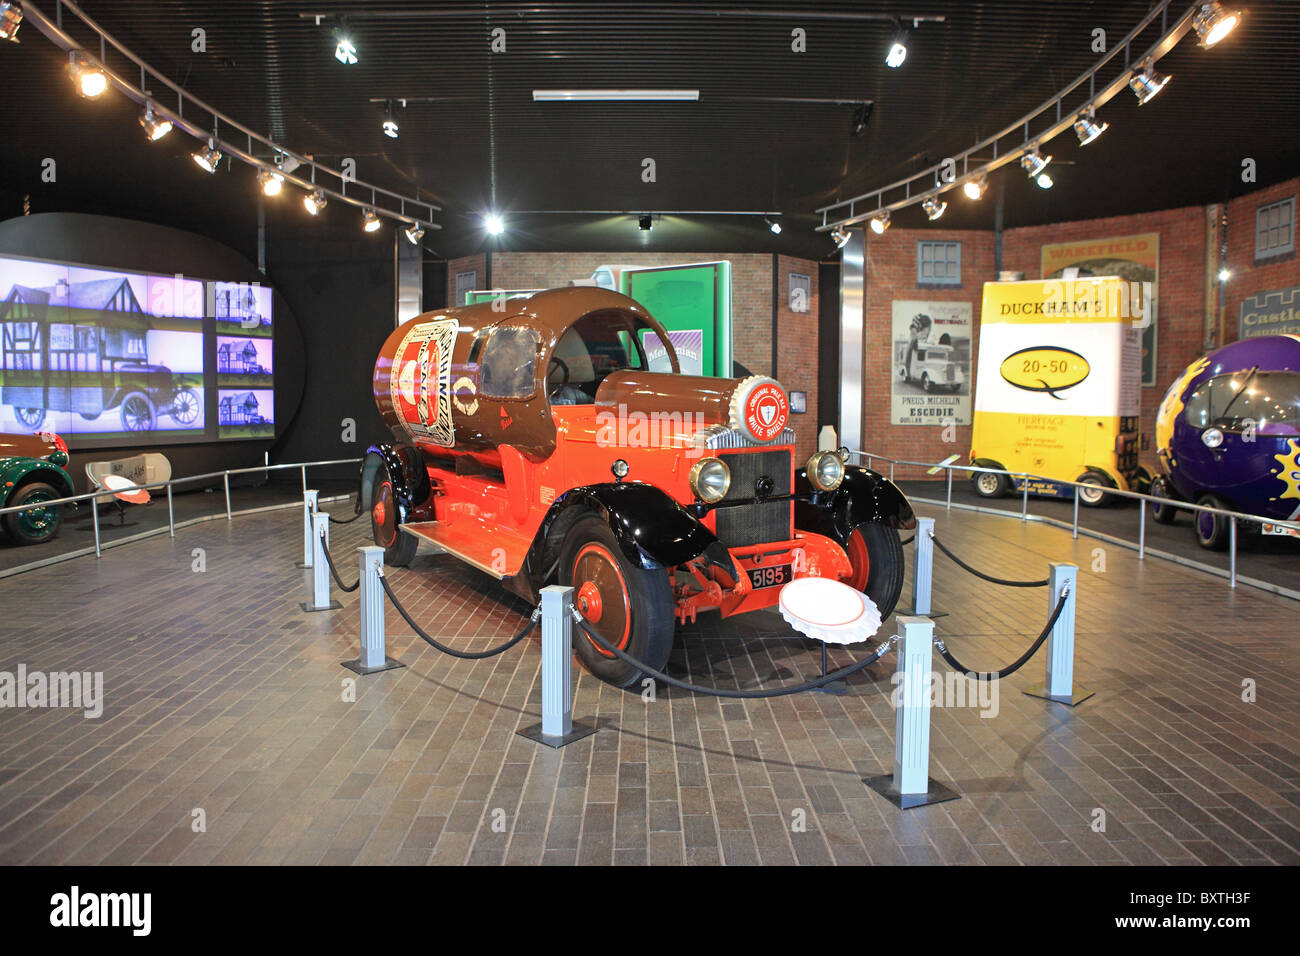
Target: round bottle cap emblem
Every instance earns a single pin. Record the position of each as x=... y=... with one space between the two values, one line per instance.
x=760 y=408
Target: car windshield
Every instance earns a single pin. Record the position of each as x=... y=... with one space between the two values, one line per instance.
x=594 y=347
x=1268 y=400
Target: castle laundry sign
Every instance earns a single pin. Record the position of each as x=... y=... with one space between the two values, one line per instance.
x=1270 y=313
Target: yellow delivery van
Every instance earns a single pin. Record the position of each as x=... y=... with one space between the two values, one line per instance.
x=1058 y=386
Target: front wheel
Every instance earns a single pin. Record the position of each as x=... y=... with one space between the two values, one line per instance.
x=990 y=484
x=629 y=606
x=1163 y=510
x=876 y=556
x=1211 y=529
x=36 y=525
x=185 y=407
x=138 y=413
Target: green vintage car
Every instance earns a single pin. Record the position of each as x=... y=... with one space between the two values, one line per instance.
x=32 y=470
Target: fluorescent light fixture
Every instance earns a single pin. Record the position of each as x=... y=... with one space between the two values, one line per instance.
x=345 y=50
x=1146 y=83
x=88 y=76
x=1213 y=23
x=934 y=207
x=209 y=157
x=154 y=127
x=272 y=183
x=415 y=233
x=975 y=188
x=493 y=224
x=880 y=223
x=560 y=96
x=11 y=18
x=314 y=201
x=370 y=221
x=1087 y=128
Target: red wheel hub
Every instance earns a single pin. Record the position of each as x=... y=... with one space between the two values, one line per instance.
x=379 y=513
x=860 y=560
x=588 y=601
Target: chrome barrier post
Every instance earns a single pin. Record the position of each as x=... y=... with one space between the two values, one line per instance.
x=308 y=509
x=1024 y=499
x=949 y=505
x=373 y=659
x=320 y=572
x=1232 y=553
x=1075 y=530
x=1062 y=579
x=94 y=516
x=304 y=479
x=910 y=785
x=171 y=522
x=923 y=569
x=226 y=481
x=1142 y=529
x=557 y=727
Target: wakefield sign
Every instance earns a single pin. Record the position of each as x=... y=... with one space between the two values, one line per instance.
x=1270 y=313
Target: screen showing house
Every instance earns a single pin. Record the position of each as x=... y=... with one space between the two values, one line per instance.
x=107 y=357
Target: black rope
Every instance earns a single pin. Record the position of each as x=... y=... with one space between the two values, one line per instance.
x=907 y=540
x=987 y=577
x=1012 y=668
x=463 y=655
x=359 y=513
x=335 y=571
x=718 y=692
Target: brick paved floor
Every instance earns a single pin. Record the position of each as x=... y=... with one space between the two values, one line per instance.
x=222 y=697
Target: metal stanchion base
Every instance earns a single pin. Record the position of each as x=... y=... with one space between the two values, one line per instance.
x=302 y=567
x=1074 y=700
x=388 y=665
x=332 y=606
x=935 y=792
x=534 y=732
x=932 y=615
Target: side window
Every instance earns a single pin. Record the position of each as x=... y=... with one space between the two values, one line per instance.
x=508 y=361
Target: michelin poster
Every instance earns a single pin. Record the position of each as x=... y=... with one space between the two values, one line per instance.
x=931 y=363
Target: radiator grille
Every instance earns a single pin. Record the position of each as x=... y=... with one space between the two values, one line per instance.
x=760 y=522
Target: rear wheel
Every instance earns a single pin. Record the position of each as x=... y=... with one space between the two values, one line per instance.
x=399 y=547
x=988 y=484
x=876 y=555
x=629 y=606
x=37 y=525
x=138 y=413
x=31 y=417
x=1163 y=510
x=1211 y=529
x=1094 y=494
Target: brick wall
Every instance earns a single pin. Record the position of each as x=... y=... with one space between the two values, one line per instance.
x=475 y=263
x=796 y=360
x=1246 y=278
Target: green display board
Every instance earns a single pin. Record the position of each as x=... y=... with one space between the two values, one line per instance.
x=694 y=304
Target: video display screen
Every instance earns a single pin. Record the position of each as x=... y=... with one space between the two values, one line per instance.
x=146 y=359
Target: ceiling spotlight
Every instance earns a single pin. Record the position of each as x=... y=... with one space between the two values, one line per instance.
x=897 y=49
x=11 y=18
x=390 y=123
x=314 y=201
x=345 y=50
x=209 y=157
x=861 y=117
x=272 y=183
x=154 y=127
x=841 y=236
x=1213 y=23
x=493 y=224
x=934 y=207
x=975 y=188
x=1087 y=128
x=370 y=221
x=415 y=233
x=1147 y=82
x=1044 y=181
x=880 y=223
x=645 y=223
x=773 y=224
x=1034 y=162
x=88 y=76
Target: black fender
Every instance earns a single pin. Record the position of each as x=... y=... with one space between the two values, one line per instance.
x=862 y=496
x=652 y=529
x=406 y=470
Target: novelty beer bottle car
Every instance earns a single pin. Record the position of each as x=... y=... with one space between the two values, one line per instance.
x=533 y=443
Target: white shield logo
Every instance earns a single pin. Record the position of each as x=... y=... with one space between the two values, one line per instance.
x=767 y=412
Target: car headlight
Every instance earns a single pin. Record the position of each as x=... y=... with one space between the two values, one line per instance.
x=825 y=470
x=1212 y=437
x=710 y=479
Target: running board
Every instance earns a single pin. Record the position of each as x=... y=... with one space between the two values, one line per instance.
x=436 y=533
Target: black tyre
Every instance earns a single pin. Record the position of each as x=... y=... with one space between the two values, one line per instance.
x=988 y=484
x=1094 y=496
x=39 y=524
x=629 y=606
x=876 y=554
x=399 y=547
x=1163 y=510
x=30 y=417
x=1211 y=529
x=138 y=413
x=926 y=383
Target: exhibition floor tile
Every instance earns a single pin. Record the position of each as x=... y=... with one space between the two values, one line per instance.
x=228 y=734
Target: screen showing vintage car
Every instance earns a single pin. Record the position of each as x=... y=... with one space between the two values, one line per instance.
x=105 y=357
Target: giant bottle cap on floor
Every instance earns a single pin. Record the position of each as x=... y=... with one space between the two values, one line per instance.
x=829 y=611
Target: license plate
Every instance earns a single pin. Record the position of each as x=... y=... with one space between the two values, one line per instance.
x=1277 y=529
x=769 y=577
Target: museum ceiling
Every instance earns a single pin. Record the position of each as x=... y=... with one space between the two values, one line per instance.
x=771 y=130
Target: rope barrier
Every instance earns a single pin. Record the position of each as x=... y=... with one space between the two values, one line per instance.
x=1012 y=668
x=335 y=571
x=359 y=513
x=736 y=694
x=463 y=655
x=907 y=540
x=987 y=577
